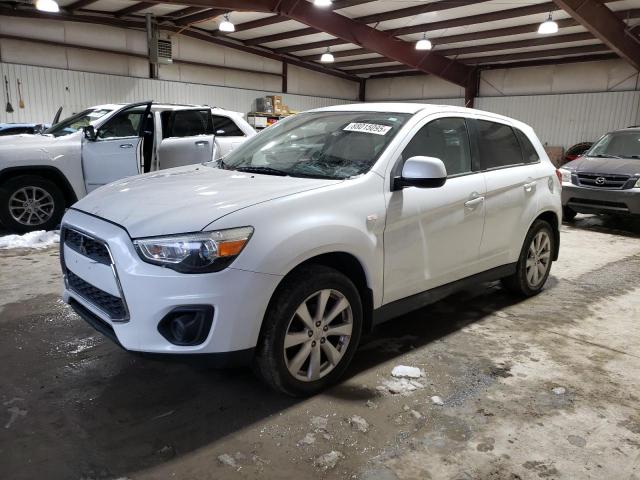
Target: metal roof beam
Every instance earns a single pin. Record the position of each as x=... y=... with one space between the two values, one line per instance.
x=379 y=17
x=355 y=32
x=605 y=25
x=133 y=9
x=200 y=17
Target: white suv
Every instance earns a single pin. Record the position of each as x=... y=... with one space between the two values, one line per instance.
x=42 y=174
x=309 y=234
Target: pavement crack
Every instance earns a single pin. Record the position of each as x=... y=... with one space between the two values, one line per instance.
x=587 y=342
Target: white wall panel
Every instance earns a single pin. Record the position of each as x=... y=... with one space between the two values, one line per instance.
x=413 y=87
x=600 y=76
x=563 y=120
x=46 y=89
x=309 y=82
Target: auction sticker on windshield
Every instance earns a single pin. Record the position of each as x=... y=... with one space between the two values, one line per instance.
x=367 y=128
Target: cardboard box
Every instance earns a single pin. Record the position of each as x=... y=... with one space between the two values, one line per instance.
x=276 y=101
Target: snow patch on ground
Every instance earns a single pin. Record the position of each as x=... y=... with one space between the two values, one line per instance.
x=37 y=239
x=405 y=371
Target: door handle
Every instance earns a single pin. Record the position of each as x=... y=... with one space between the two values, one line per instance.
x=473 y=203
x=126 y=145
x=202 y=143
x=528 y=187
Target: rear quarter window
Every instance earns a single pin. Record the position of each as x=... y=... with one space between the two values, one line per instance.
x=498 y=145
x=529 y=153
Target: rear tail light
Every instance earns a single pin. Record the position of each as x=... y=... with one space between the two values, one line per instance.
x=559 y=175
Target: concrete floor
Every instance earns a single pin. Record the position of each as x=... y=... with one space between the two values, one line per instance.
x=75 y=406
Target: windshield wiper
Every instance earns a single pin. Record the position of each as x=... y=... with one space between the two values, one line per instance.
x=605 y=155
x=265 y=170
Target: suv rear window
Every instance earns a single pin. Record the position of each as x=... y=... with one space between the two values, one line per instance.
x=498 y=145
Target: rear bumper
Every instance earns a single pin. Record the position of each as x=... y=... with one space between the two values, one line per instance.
x=596 y=200
x=149 y=292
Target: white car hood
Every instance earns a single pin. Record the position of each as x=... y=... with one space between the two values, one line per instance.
x=26 y=140
x=186 y=199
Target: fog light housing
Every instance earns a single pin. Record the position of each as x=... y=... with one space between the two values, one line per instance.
x=187 y=325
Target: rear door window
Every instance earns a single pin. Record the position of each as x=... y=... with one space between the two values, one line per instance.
x=498 y=145
x=186 y=123
x=225 y=127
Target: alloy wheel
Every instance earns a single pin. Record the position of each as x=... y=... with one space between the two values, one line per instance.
x=538 y=259
x=318 y=335
x=31 y=206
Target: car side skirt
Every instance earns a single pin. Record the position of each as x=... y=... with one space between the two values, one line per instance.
x=405 y=305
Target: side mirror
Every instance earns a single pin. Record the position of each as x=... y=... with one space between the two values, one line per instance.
x=89 y=132
x=421 y=172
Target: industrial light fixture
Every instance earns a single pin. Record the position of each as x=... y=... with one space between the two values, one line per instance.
x=47 y=6
x=424 y=43
x=226 y=25
x=548 y=26
x=327 y=57
x=322 y=3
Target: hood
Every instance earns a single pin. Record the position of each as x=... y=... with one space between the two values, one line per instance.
x=26 y=139
x=616 y=166
x=186 y=199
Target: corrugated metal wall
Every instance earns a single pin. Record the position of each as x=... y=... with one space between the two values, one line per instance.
x=566 y=119
x=45 y=89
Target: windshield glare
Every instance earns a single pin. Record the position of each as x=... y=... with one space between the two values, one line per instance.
x=335 y=145
x=617 y=144
x=76 y=122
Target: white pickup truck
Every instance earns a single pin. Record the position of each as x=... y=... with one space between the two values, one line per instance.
x=42 y=174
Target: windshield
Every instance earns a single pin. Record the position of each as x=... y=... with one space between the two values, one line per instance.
x=617 y=145
x=76 y=122
x=335 y=145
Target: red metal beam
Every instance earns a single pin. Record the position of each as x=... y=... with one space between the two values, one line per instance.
x=379 y=17
x=352 y=31
x=184 y=12
x=605 y=25
x=200 y=17
x=464 y=37
x=491 y=47
x=526 y=63
x=78 y=4
x=492 y=59
x=133 y=9
x=263 y=22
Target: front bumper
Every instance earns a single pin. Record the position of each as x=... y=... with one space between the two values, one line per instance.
x=149 y=292
x=601 y=200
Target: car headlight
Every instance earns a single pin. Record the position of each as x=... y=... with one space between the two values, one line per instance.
x=195 y=252
x=637 y=185
x=566 y=175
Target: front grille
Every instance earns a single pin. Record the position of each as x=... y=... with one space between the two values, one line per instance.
x=112 y=306
x=87 y=246
x=598 y=180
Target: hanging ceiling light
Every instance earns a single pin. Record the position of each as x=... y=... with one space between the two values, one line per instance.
x=226 y=25
x=47 y=6
x=424 y=43
x=322 y=3
x=327 y=57
x=548 y=26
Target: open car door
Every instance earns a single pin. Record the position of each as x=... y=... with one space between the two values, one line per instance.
x=114 y=151
x=187 y=137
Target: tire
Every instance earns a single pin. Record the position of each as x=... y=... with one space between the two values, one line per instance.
x=568 y=214
x=274 y=363
x=522 y=282
x=46 y=213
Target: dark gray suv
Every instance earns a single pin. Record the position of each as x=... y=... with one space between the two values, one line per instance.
x=606 y=179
